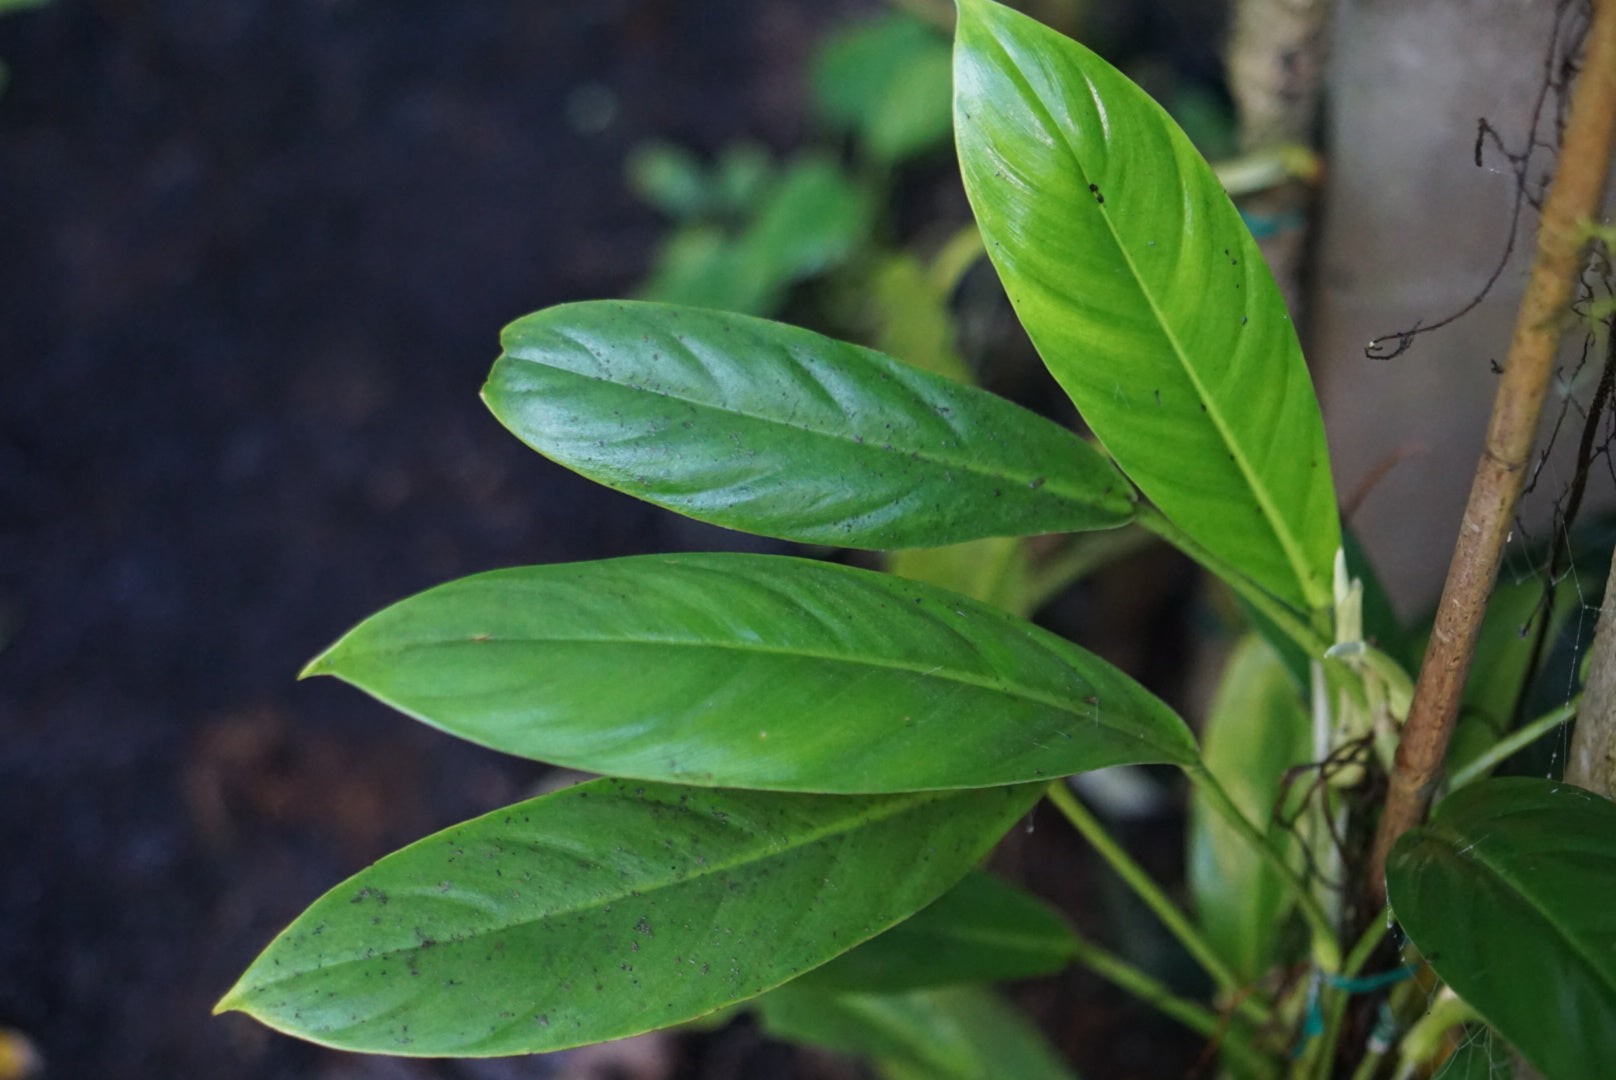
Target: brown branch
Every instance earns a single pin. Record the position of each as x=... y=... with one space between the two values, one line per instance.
x=1573 y=198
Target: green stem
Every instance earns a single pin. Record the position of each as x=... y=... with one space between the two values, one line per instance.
x=1513 y=743
x=1199 y=1019
x=1083 y=554
x=1322 y=1054
x=1369 y=1065
x=1156 y=900
x=1326 y=949
x=1279 y=613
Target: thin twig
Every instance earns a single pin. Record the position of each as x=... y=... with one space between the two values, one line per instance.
x=1573 y=197
x=1147 y=890
x=1199 y=1019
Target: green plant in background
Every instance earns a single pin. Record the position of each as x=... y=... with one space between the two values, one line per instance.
x=748 y=228
x=803 y=763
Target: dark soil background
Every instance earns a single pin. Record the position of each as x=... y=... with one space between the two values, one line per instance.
x=254 y=257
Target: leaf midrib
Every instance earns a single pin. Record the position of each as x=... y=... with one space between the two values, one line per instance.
x=1466 y=850
x=1011 y=690
x=1057 y=483
x=900 y=803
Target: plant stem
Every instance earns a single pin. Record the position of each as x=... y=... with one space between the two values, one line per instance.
x=1279 y=613
x=1516 y=741
x=1322 y=1054
x=1573 y=196
x=1083 y=554
x=1326 y=949
x=1148 y=891
x=1199 y=1019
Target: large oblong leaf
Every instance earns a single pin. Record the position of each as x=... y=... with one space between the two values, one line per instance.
x=1146 y=297
x=752 y=671
x=771 y=429
x=1508 y=892
x=605 y=910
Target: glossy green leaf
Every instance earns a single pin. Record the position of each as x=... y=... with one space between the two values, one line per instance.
x=605 y=910
x=959 y=1033
x=982 y=930
x=771 y=429
x=778 y=430
x=888 y=81
x=1146 y=297
x=752 y=671
x=1508 y=894
x=1257 y=729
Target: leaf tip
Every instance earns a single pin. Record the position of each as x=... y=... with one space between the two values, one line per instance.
x=320 y=665
x=231 y=1002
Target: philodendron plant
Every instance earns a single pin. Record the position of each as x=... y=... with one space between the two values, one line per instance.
x=803 y=763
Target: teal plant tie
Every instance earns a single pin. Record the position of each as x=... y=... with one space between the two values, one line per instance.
x=1368 y=984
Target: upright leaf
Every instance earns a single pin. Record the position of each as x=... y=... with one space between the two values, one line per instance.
x=1508 y=894
x=752 y=671
x=1146 y=296
x=605 y=910
x=772 y=429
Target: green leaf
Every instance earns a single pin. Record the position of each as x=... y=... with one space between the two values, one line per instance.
x=1505 y=647
x=1508 y=894
x=772 y=429
x=960 y=1033
x=752 y=671
x=670 y=178
x=805 y=222
x=813 y=219
x=1256 y=730
x=697 y=264
x=605 y=910
x=1146 y=297
x=982 y=930
x=888 y=81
